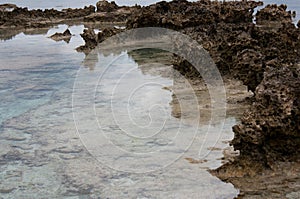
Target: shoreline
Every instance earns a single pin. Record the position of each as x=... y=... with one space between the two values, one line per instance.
x=263 y=55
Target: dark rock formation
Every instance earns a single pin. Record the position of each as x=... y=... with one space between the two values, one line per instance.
x=238 y=46
x=274 y=13
x=269 y=138
x=271 y=129
x=7 y=7
x=105 y=6
x=180 y=14
x=118 y=16
x=111 y=12
x=17 y=17
x=226 y=29
x=66 y=36
x=106 y=33
x=91 y=39
x=223 y=28
x=264 y=56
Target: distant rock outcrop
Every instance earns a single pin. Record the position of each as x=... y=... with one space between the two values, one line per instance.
x=65 y=36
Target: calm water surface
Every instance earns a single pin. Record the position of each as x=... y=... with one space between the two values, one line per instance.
x=41 y=155
x=40 y=149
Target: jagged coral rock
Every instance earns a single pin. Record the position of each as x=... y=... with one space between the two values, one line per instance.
x=271 y=129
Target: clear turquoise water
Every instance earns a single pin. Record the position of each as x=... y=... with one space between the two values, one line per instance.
x=31 y=73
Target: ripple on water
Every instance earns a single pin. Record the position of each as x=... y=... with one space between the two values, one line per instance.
x=51 y=160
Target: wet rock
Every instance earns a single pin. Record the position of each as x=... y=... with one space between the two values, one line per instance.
x=194 y=161
x=12 y=155
x=268 y=137
x=6 y=190
x=16 y=139
x=66 y=36
x=257 y=182
x=92 y=39
x=66 y=150
x=106 y=33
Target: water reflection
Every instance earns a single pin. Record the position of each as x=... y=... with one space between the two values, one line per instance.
x=115 y=96
x=39 y=144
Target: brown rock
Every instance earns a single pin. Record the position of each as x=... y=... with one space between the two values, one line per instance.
x=180 y=14
x=7 y=7
x=106 y=33
x=272 y=128
x=90 y=39
x=273 y=13
x=66 y=36
x=24 y=18
x=105 y=6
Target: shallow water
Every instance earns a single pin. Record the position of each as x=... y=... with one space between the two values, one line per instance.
x=40 y=150
x=41 y=153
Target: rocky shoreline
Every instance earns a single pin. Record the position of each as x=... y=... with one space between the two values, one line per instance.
x=261 y=50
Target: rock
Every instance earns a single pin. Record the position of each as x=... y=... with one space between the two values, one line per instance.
x=24 y=18
x=12 y=155
x=67 y=150
x=242 y=50
x=271 y=129
x=180 y=14
x=7 y=7
x=105 y=6
x=263 y=55
x=194 y=161
x=249 y=68
x=106 y=33
x=90 y=39
x=110 y=12
x=119 y=16
x=78 y=12
x=268 y=137
x=273 y=13
x=66 y=36
x=6 y=190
